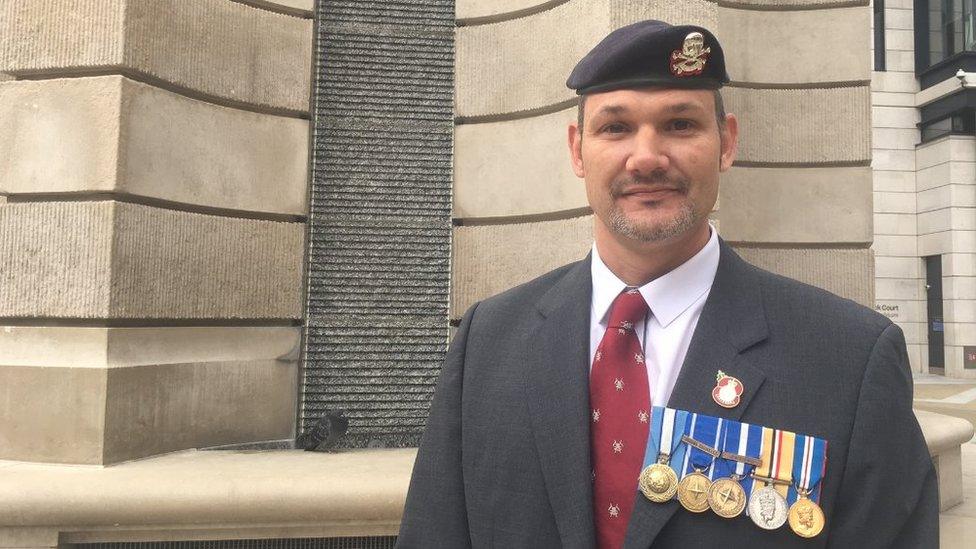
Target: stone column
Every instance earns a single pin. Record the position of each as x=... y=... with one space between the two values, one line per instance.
x=154 y=176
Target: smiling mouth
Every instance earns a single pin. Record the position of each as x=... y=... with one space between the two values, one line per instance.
x=651 y=193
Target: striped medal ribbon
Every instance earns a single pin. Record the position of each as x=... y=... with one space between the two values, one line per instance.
x=741 y=446
x=767 y=504
x=658 y=481
x=702 y=443
x=806 y=518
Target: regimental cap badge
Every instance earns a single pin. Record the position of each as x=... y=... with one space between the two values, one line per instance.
x=691 y=58
x=728 y=390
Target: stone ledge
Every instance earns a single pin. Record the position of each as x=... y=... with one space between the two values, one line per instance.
x=112 y=134
x=97 y=396
x=943 y=432
x=945 y=435
x=488 y=259
x=227 y=51
x=201 y=492
x=753 y=212
x=789 y=47
x=227 y=493
x=298 y=8
x=521 y=64
x=97 y=259
x=515 y=168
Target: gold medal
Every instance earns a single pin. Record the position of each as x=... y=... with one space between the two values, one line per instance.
x=658 y=483
x=806 y=518
x=727 y=498
x=693 y=492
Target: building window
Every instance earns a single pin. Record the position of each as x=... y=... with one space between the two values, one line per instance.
x=945 y=39
x=879 y=35
x=959 y=123
x=950 y=29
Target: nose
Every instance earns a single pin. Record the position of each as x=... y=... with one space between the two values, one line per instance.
x=649 y=153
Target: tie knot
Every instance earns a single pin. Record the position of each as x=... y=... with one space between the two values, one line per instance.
x=627 y=310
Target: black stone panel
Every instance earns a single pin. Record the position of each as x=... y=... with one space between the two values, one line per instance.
x=378 y=263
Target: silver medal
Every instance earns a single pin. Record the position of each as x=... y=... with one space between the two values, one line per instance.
x=767 y=508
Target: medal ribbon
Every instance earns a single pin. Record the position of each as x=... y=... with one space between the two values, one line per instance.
x=740 y=439
x=777 y=457
x=667 y=426
x=706 y=430
x=809 y=463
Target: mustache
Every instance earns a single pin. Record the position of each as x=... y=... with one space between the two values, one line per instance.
x=655 y=181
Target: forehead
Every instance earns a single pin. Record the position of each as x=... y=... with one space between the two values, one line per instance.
x=649 y=101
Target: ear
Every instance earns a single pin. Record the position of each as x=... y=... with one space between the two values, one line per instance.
x=575 y=140
x=730 y=142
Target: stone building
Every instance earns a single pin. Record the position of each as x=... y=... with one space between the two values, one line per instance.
x=924 y=162
x=220 y=219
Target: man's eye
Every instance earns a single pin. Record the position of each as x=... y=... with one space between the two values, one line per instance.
x=681 y=125
x=614 y=128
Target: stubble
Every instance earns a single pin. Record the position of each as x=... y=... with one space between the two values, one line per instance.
x=655 y=228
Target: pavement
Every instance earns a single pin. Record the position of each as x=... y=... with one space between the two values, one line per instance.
x=954 y=397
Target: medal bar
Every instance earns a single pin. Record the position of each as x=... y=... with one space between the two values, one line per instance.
x=694 y=486
x=806 y=518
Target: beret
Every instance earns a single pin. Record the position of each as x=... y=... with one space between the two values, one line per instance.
x=652 y=53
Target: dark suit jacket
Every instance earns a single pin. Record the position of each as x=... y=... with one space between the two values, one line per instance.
x=505 y=459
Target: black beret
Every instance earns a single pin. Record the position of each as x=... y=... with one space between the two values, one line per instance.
x=652 y=53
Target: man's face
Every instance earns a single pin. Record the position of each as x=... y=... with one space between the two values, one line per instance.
x=651 y=160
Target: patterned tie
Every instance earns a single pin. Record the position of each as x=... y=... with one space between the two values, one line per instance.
x=620 y=410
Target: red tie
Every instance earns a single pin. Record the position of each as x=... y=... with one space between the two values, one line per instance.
x=619 y=414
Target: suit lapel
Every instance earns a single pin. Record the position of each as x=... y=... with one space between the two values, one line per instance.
x=558 y=401
x=732 y=320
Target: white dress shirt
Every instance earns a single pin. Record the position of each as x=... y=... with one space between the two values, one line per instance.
x=675 y=301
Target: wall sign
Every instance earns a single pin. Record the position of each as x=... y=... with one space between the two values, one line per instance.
x=969 y=357
x=890 y=310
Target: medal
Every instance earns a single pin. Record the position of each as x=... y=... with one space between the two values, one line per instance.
x=767 y=505
x=702 y=451
x=727 y=391
x=658 y=481
x=693 y=492
x=810 y=460
x=767 y=508
x=727 y=496
x=806 y=518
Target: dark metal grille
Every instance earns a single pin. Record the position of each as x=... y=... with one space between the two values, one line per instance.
x=379 y=542
x=378 y=266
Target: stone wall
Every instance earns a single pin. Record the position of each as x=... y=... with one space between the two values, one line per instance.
x=152 y=223
x=946 y=202
x=899 y=270
x=923 y=202
x=798 y=200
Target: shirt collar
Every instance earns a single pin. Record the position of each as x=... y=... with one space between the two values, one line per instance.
x=668 y=295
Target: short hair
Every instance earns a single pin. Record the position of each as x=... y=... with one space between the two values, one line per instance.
x=719 y=110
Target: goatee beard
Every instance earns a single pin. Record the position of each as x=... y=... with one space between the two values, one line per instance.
x=655 y=230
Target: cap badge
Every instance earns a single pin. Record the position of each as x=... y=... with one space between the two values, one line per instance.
x=690 y=59
x=727 y=390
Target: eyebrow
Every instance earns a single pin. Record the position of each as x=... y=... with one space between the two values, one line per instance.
x=682 y=107
x=673 y=109
x=612 y=109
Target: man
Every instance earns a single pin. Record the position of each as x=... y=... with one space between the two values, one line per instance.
x=537 y=431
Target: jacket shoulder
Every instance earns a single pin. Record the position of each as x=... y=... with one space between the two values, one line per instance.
x=798 y=299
